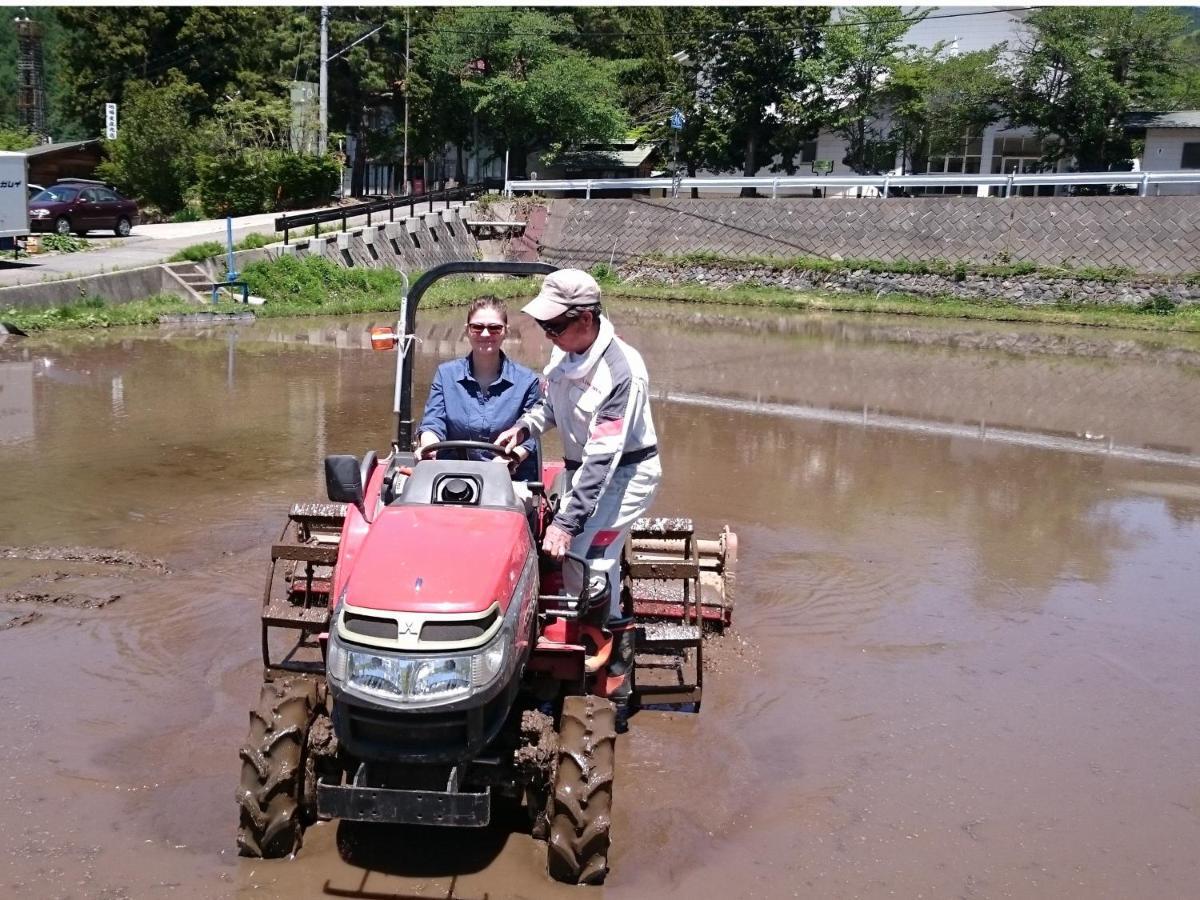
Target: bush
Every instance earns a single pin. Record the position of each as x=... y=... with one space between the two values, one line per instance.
x=234 y=185
x=198 y=252
x=316 y=281
x=1158 y=305
x=252 y=242
x=603 y=272
x=256 y=181
x=305 y=180
x=65 y=243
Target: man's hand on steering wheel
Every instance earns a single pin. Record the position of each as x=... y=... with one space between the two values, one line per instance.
x=428 y=451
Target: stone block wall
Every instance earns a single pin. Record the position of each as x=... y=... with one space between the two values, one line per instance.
x=1150 y=235
x=411 y=245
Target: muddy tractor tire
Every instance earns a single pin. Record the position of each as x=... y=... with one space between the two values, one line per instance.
x=269 y=795
x=577 y=852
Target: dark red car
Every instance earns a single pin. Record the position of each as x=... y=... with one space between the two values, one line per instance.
x=82 y=206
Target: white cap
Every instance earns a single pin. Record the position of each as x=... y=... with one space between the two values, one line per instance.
x=562 y=290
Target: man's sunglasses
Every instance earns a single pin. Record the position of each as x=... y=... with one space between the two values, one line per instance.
x=555 y=327
x=485 y=328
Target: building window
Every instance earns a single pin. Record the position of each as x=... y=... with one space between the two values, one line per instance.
x=1019 y=156
x=1191 y=156
x=964 y=159
x=808 y=152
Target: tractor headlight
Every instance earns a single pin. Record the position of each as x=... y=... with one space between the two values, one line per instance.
x=416 y=680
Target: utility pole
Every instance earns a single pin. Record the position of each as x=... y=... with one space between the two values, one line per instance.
x=406 y=83
x=323 y=143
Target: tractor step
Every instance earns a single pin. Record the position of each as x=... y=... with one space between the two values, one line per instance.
x=667 y=635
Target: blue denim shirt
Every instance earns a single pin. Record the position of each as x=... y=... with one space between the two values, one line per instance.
x=458 y=409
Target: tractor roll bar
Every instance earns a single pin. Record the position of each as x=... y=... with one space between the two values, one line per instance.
x=408 y=307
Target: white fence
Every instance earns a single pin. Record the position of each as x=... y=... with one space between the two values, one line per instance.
x=872 y=185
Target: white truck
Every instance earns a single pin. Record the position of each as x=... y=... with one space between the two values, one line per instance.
x=14 y=198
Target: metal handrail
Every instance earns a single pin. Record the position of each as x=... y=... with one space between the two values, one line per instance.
x=1142 y=179
x=368 y=209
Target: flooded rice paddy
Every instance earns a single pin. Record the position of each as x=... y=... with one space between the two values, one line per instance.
x=966 y=645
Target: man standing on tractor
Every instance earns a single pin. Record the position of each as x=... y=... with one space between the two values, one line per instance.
x=597 y=395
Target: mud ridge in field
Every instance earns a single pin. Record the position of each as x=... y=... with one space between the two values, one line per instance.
x=68 y=600
x=86 y=554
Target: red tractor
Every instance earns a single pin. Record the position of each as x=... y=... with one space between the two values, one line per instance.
x=421 y=658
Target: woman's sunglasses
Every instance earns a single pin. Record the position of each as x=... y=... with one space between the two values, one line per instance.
x=484 y=328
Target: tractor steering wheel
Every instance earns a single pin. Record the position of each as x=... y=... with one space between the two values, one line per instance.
x=494 y=449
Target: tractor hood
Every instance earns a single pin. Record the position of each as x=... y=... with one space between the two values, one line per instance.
x=439 y=559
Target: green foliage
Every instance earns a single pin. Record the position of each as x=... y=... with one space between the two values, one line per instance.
x=316 y=281
x=1159 y=305
x=259 y=180
x=153 y=157
x=65 y=243
x=959 y=270
x=252 y=242
x=745 y=76
x=16 y=139
x=241 y=51
x=301 y=180
x=208 y=249
x=198 y=252
x=92 y=312
x=604 y=272
x=513 y=74
x=1085 y=69
x=854 y=72
x=936 y=99
x=234 y=185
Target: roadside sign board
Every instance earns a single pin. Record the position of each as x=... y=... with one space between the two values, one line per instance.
x=677 y=120
x=822 y=166
x=110 y=121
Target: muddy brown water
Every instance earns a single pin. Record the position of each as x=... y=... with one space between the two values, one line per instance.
x=967 y=636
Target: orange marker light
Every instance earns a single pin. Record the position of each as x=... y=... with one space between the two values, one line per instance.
x=383 y=338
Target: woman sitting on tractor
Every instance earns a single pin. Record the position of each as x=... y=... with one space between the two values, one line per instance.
x=475 y=397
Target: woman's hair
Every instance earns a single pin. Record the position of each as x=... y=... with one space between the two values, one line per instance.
x=489 y=303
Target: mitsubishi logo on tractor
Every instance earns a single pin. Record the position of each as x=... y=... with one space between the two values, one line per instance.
x=407 y=626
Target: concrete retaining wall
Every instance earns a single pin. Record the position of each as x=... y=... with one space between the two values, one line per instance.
x=1150 y=235
x=409 y=245
x=115 y=287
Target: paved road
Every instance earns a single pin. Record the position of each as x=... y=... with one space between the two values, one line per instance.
x=147 y=245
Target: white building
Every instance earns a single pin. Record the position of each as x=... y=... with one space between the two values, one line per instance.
x=1172 y=145
x=999 y=150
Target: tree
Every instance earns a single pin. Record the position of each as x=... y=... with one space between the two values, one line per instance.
x=515 y=72
x=748 y=85
x=154 y=154
x=861 y=53
x=243 y=51
x=938 y=100
x=635 y=43
x=1083 y=69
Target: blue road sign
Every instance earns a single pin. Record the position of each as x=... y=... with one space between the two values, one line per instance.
x=677 y=120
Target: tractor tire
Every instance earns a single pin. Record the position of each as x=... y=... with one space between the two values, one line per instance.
x=581 y=804
x=269 y=795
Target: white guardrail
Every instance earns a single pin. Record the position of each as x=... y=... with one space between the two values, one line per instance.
x=883 y=184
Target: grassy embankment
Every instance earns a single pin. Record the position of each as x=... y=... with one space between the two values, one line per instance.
x=314 y=286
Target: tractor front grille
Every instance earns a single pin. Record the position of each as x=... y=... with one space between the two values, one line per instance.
x=417 y=736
